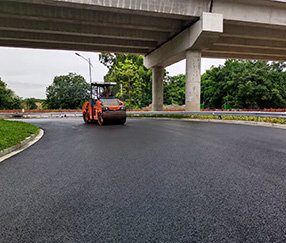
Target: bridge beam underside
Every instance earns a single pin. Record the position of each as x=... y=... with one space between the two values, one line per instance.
x=87 y=26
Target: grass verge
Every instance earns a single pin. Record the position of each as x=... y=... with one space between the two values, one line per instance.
x=13 y=132
x=212 y=117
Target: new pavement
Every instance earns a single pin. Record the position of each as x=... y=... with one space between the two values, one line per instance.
x=148 y=181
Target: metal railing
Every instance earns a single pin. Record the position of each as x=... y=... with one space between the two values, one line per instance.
x=158 y=113
x=42 y=115
x=213 y=113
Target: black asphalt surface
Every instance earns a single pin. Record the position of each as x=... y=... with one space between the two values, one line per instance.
x=148 y=181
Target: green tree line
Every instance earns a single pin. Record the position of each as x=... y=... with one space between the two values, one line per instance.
x=67 y=92
x=236 y=84
x=8 y=99
x=129 y=72
x=245 y=84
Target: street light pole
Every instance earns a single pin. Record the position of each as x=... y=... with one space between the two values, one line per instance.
x=89 y=64
x=90 y=78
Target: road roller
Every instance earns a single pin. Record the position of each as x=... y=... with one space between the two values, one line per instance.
x=103 y=107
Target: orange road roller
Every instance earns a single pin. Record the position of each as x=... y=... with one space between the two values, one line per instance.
x=103 y=107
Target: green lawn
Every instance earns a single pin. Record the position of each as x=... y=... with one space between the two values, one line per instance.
x=13 y=132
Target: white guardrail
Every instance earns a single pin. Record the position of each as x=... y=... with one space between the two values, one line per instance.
x=186 y=113
x=213 y=113
x=42 y=115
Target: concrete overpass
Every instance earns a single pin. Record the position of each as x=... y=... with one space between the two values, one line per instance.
x=165 y=31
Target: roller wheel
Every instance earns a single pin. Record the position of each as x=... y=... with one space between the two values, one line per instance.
x=86 y=117
x=100 y=119
x=123 y=121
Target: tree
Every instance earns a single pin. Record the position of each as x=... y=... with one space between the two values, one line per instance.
x=8 y=99
x=135 y=78
x=174 y=90
x=245 y=84
x=67 y=92
x=30 y=103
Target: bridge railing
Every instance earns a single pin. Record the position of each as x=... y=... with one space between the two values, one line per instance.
x=155 y=113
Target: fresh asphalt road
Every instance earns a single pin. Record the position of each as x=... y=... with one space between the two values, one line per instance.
x=148 y=181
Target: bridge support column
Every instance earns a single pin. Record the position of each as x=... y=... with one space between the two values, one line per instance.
x=157 y=88
x=193 y=80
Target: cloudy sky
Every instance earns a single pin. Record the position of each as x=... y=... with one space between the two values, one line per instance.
x=29 y=71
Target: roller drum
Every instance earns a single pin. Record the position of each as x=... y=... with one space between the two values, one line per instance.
x=114 y=117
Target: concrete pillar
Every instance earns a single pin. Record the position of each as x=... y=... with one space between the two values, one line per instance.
x=193 y=80
x=157 y=88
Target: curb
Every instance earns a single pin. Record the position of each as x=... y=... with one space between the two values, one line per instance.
x=234 y=122
x=29 y=141
x=237 y=122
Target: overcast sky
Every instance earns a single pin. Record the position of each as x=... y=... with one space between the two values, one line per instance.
x=29 y=71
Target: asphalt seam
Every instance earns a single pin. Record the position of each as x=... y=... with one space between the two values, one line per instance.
x=29 y=141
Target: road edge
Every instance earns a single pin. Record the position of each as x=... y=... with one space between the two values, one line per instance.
x=28 y=142
x=248 y=123
x=234 y=122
